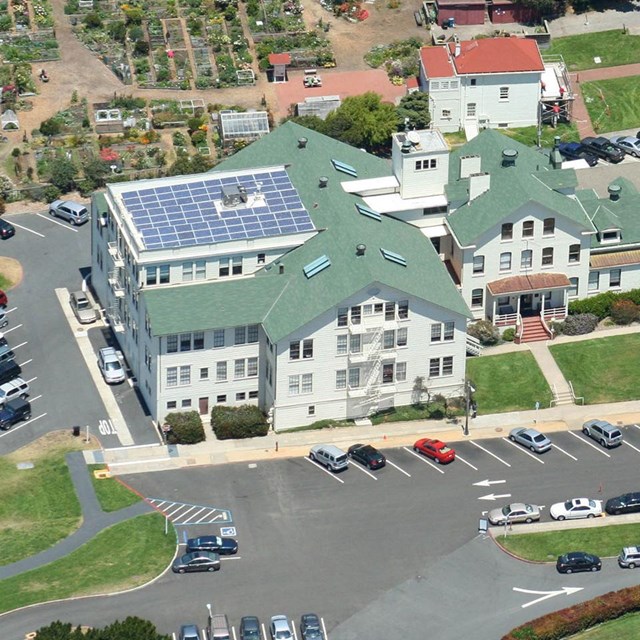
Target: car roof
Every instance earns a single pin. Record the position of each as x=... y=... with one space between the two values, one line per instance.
x=17 y=403
x=279 y=618
x=250 y=621
x=630 y=550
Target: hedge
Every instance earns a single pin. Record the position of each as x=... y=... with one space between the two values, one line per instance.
x=185 y=427
x=246 y=421
x=572 y=620
x=601 y=304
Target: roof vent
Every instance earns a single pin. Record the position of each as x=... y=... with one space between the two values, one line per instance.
x=556 y=142
x=360 y=249
x=344 y=168
x=614 y=192
x=509 y=157
x=234 y=195
x=370 y=213
x=323 y=182
x=281 y=269
x=406 y=146
x=302 y=143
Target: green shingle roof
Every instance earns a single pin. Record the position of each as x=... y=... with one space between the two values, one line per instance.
x=285 y=301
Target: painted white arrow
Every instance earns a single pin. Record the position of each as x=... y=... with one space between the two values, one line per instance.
x=494 y=496
x=546 y=594
x=488 y=483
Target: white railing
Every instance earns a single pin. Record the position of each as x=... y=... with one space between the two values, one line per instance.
x=473 y=346
x=519 y=328
x=553 y=313
x=573 y=394
x=505 y=319
x=546 y=327
x=555 y=395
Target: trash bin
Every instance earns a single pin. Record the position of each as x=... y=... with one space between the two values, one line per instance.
x=76 y=431
x=449 y=23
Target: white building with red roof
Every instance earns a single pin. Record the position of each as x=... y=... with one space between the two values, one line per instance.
x=486 y=83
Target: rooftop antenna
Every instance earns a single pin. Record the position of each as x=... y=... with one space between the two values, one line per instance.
x=407 y=121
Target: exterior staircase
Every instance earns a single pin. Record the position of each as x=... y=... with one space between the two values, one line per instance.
x=532 y=330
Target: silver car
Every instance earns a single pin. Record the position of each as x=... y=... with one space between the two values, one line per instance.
x=514 y=512
x=110 y=365
x=628 y=144
x=530 y=438
x=603 y=432
x=70 y=211
x=280 y=628
x=81 y=306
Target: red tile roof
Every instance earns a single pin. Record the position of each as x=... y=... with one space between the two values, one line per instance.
x=497 y=55
x=436 y=63
x=279 y=58
x=534 y=282
x=615 y=259
x=412 y=82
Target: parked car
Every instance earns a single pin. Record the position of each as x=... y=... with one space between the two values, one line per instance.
x=14 y=411
x=514 y=512
x=6 y=353
x=110 y=365
x=4 y=301
x=70 y=211
x=3 y=340
x=219 y=627
x=280 y=628
x=530 y=438
x=576 y=508
x=7 y=230
x=603 y=148
x=9 y=371
x=250 y=628
x=437 y=450
x=629 y=558
x=329 y=456
x=4 y=321
x=310 y=627
x=17 y=388
x=222 y=546
x=83 y=309
x=367 y=455
x=626 y=503
x=578 y=561
x=628 y=144
x=189 y=632
x=603 y=432
x=196 y=561
x=575 y=151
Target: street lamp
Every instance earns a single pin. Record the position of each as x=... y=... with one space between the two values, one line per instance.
x=209 y=620
x=468 y=390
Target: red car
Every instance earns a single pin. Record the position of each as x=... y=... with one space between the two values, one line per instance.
x=3 y=299
x=435 y=449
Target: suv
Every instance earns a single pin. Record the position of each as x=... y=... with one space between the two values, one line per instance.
x=17 y=388
x=250 y=628
x=110 y=366
x=81 y=306
x=9 y=371
x=220 y=627
x=606 y=434
x=13 y=412
x=6 y=353
x=329 y=456
x=603 y=148
x=629 y=558
x=189 y=632
x=70 y=211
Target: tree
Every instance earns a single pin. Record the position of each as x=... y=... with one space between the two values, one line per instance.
x=131 y=628
x=95 y=172
x=51 y=127
x=310 y=122
x=415 y=107
x=62 y=173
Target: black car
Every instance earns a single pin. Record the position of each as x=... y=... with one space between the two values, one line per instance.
x=14 y=411
x=575 y=151
x=223 y=546
x=627 y=503
x=603 y=148
x=578 y=561
x=6 y=230
x=250 y=628
x=196 y=561
x=367 y=455
x=310 y=628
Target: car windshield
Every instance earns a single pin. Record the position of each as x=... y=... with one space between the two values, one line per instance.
x=615 y=434
x=568 y=504
x=506 y=510
x=112 y=366
x=283 y=635
x=217 y=540
x=539 y=438
x=82 y=303
x=251 y=633
x=445 y=449
x=592 y=504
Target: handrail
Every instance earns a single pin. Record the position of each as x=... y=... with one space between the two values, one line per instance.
x=546 y=327
x=555 y=396
x=473 y=345
x=573 y=394
x=519 y=327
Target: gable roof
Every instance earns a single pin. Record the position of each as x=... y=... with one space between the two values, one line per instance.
x=435 y=62
x=496 y=55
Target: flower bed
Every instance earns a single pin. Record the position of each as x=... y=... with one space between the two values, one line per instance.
x=399 y=59
x=275 y=16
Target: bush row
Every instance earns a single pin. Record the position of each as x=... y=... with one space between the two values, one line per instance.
x=572 y=620
x=246 y=421
x=602 y=304
x=184 y=427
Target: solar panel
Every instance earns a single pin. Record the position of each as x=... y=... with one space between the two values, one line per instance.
x=393 y=257
x=192 y=213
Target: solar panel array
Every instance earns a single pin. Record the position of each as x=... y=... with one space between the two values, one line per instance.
x=190 y=213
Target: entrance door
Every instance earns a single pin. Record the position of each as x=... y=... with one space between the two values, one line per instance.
x=526 y=304
x=203 y=405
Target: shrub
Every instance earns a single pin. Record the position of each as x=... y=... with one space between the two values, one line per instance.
x=599 y=305
x=51 y=193
x=580 y=324
x=624 y=312
x=186 y=427
x=484 y=331
x=51 y=127
x=557 y=327
x=141 y=48
x=246 y=421
x=509 y=335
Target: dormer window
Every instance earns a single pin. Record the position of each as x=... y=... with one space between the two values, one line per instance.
x=610 y=236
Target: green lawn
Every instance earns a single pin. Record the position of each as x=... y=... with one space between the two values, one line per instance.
x=508 y=382
x=612 y=47
x=112 y=495
x=5 y=283
x=624 y=628
x=602 y=369
x=613 y=105
x=547 y=546
x=529 y=135
x=123 y=556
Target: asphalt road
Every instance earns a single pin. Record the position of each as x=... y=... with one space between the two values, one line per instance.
x=370 y=554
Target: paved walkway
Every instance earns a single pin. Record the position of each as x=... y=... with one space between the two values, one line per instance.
x=550 y=370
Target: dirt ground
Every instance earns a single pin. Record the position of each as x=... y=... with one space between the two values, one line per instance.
x=11 y=269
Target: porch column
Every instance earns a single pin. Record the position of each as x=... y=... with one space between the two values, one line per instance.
x=493 y=317
x=518 y=305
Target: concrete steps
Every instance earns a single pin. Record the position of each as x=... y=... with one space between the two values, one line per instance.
x=533 y=330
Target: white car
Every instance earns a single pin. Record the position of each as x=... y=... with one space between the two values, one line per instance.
x=280 y=629
x=576 y=508
x=110 y=365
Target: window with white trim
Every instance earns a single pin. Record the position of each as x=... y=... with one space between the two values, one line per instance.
x=574 y=253
x=526 y=259
x=389 y=339
x=239 y=368
x=355 y=343
x=403 y=310
x=172 y=344
x=252 y=367
x=504 y=94
x=549 y=227
x=307 y=383
x=426 y=164
x=240 y=396
x=221 y=371
x=615 y=277
x=341 y=344
x=294 y=385
x=185 y=375
x=594 y=281
x=401 y=371
x=436 y=332
x=218 y=338
x=354 y=377
x=528 y=228
x=204 y=373
x=172 y=377
x=387 y=373
x=507 y=231
x=505 y=261
x=449 y=331
x=221 y=398
x=573 y=289
x=547 y=256
x=401 y=337
x=478 y=264
x=341 y=379
x=477 y=297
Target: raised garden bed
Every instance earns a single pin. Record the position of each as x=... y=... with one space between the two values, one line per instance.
x=31 y=47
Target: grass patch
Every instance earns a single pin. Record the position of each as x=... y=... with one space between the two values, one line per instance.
x=602 y=369
x=455 y=139
x=5 y=283
x=529 y=135
x=126 y=555
x=544 y=547
x=321 y=424
x=612 y=47
x=623 y=628
x=614 y=104
x=112 y=495
x=508 y=382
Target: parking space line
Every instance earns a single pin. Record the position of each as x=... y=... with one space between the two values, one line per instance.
x=60 y=224
x=293 y=627
x=493 y=455
x=36 y=398
x=19 y=345
x=635 y=425
x=11 y=310
x=326 y=637
x=170 y=513
x=157 y=506
x=26 y=362
x=398 y=468
x=206 y=515
x=264 y=631
x=24 y=424
x=233 y=631
x=630 y=445
x=12 y=329
x=459 y=457
x=555 y=446
x=319 y=466
x=187 y=511
x=423 y=459
x=198 y=512
x=27 y=229
x=30 y=380
x=519 y=448
x=593 y=446
x=356 y=466
x=225 y=558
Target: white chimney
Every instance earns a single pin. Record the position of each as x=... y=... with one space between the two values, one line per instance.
x=456 y=52
x=479 y=183
x=469 y=165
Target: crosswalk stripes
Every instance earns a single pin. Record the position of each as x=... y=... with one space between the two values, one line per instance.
x=182 y=513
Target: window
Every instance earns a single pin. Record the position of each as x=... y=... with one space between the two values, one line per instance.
x=252 y=333
x=294 y=385
x=473 y=82
x=428 y=163
x=471 y=108
x=185 y=404
x=446 y=113
x=172 y=404
x=527 y=229
x=307 y=383
x=221 y=398
x=574 y=253
x=172 y=376
x=236 y=266
x=185 y=375
x=389 y=339
x=240 y=335
x=218 y=338
x=436 y=332
x=253 y=395
x=434 y=367
x=294 y=350
x=504 y=93
x=478 y=264
x=387 y=373
x=223 y=267
x=355 y=315
x=390 y=311
x=526 y=259
x=343 y=316
x=401 y=337
x=240 y=396
x=198 y=340
x=341 y=379
x=311 y=410
x=262 y=257
x=185 y=342
x=549 y=226
x=615 y=277
x=152 y=275
x=403 y=309
x=172 y=344
x=507 y=231
x=547 y=257
x=354 y=378
x=204 y=373
x=164 y=274
x=573 y=289
x=307 y=349
x=477 y=296
x=187 y=271
x=201 y=269
x=221 y=371
x=447 y=366
x=355 y=344
x=341 y=344
x=252 y=367
x=239 y=368
x=505 y=261
x=401 y=371
x=594 y=281
x=449 y=328
x=610 y=236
